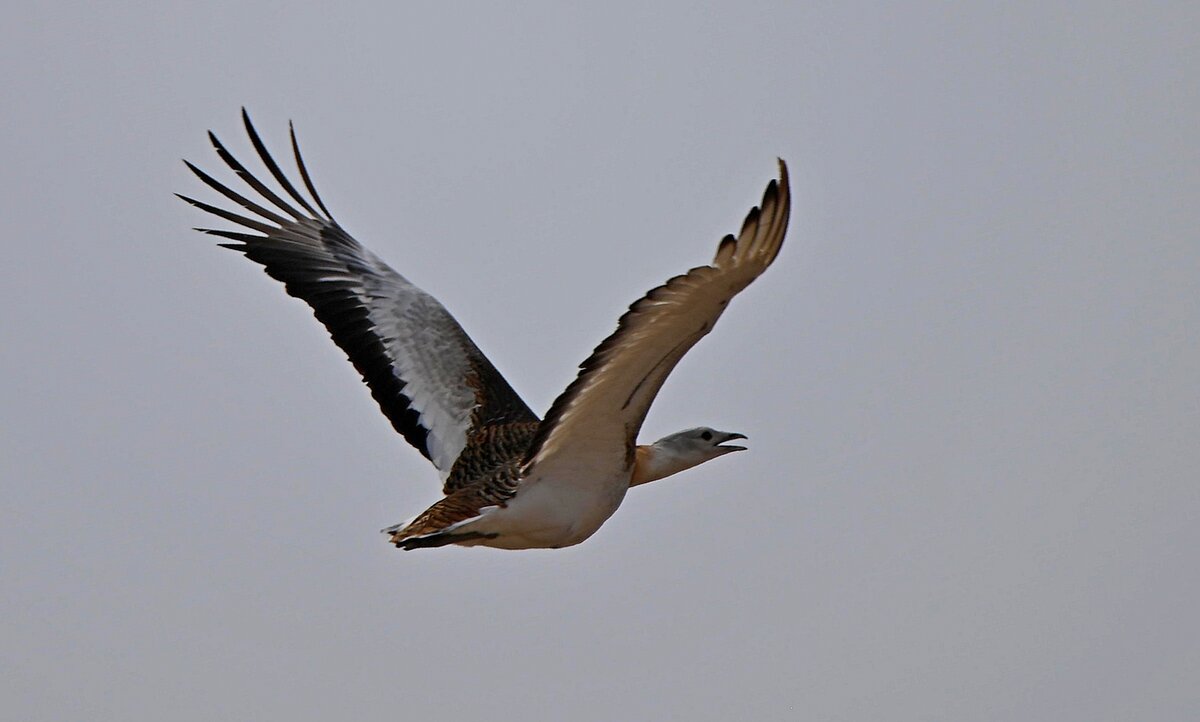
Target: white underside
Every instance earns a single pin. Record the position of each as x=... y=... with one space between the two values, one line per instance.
x=549 y=514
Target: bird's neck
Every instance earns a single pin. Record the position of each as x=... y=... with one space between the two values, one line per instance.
x=652 y=462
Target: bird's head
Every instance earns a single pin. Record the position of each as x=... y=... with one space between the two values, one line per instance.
x=682 y=450
x=701 y=443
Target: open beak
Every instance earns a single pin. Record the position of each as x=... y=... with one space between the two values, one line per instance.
x=730 y=437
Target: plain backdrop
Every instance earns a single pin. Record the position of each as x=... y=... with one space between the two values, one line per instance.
x=970 y=381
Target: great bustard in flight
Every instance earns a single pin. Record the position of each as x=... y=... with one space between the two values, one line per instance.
x=510 y=480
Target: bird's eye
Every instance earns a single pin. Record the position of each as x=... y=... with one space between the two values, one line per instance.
x=707 y=436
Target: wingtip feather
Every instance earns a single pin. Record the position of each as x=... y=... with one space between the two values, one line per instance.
x=725 y=250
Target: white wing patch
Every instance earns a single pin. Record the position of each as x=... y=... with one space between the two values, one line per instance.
x=421 y=339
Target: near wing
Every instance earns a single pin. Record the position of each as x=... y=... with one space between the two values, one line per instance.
x=597 y=418
x=429 y=378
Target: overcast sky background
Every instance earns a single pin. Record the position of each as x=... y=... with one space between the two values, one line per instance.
x=971 y=381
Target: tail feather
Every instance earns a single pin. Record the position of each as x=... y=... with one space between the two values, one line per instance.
x=439 y=539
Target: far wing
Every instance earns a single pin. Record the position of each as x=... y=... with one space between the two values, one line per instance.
x=597 y=418
x=428 y=377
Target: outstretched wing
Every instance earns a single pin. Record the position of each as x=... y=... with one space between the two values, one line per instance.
x=595 y=422
x=429 y=378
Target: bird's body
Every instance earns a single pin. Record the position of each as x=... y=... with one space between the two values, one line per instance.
x=552 y=513
x=510 y=479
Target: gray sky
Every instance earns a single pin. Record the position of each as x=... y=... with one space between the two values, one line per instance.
x=970 y=380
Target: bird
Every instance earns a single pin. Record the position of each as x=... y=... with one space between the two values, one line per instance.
x=509 y=479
